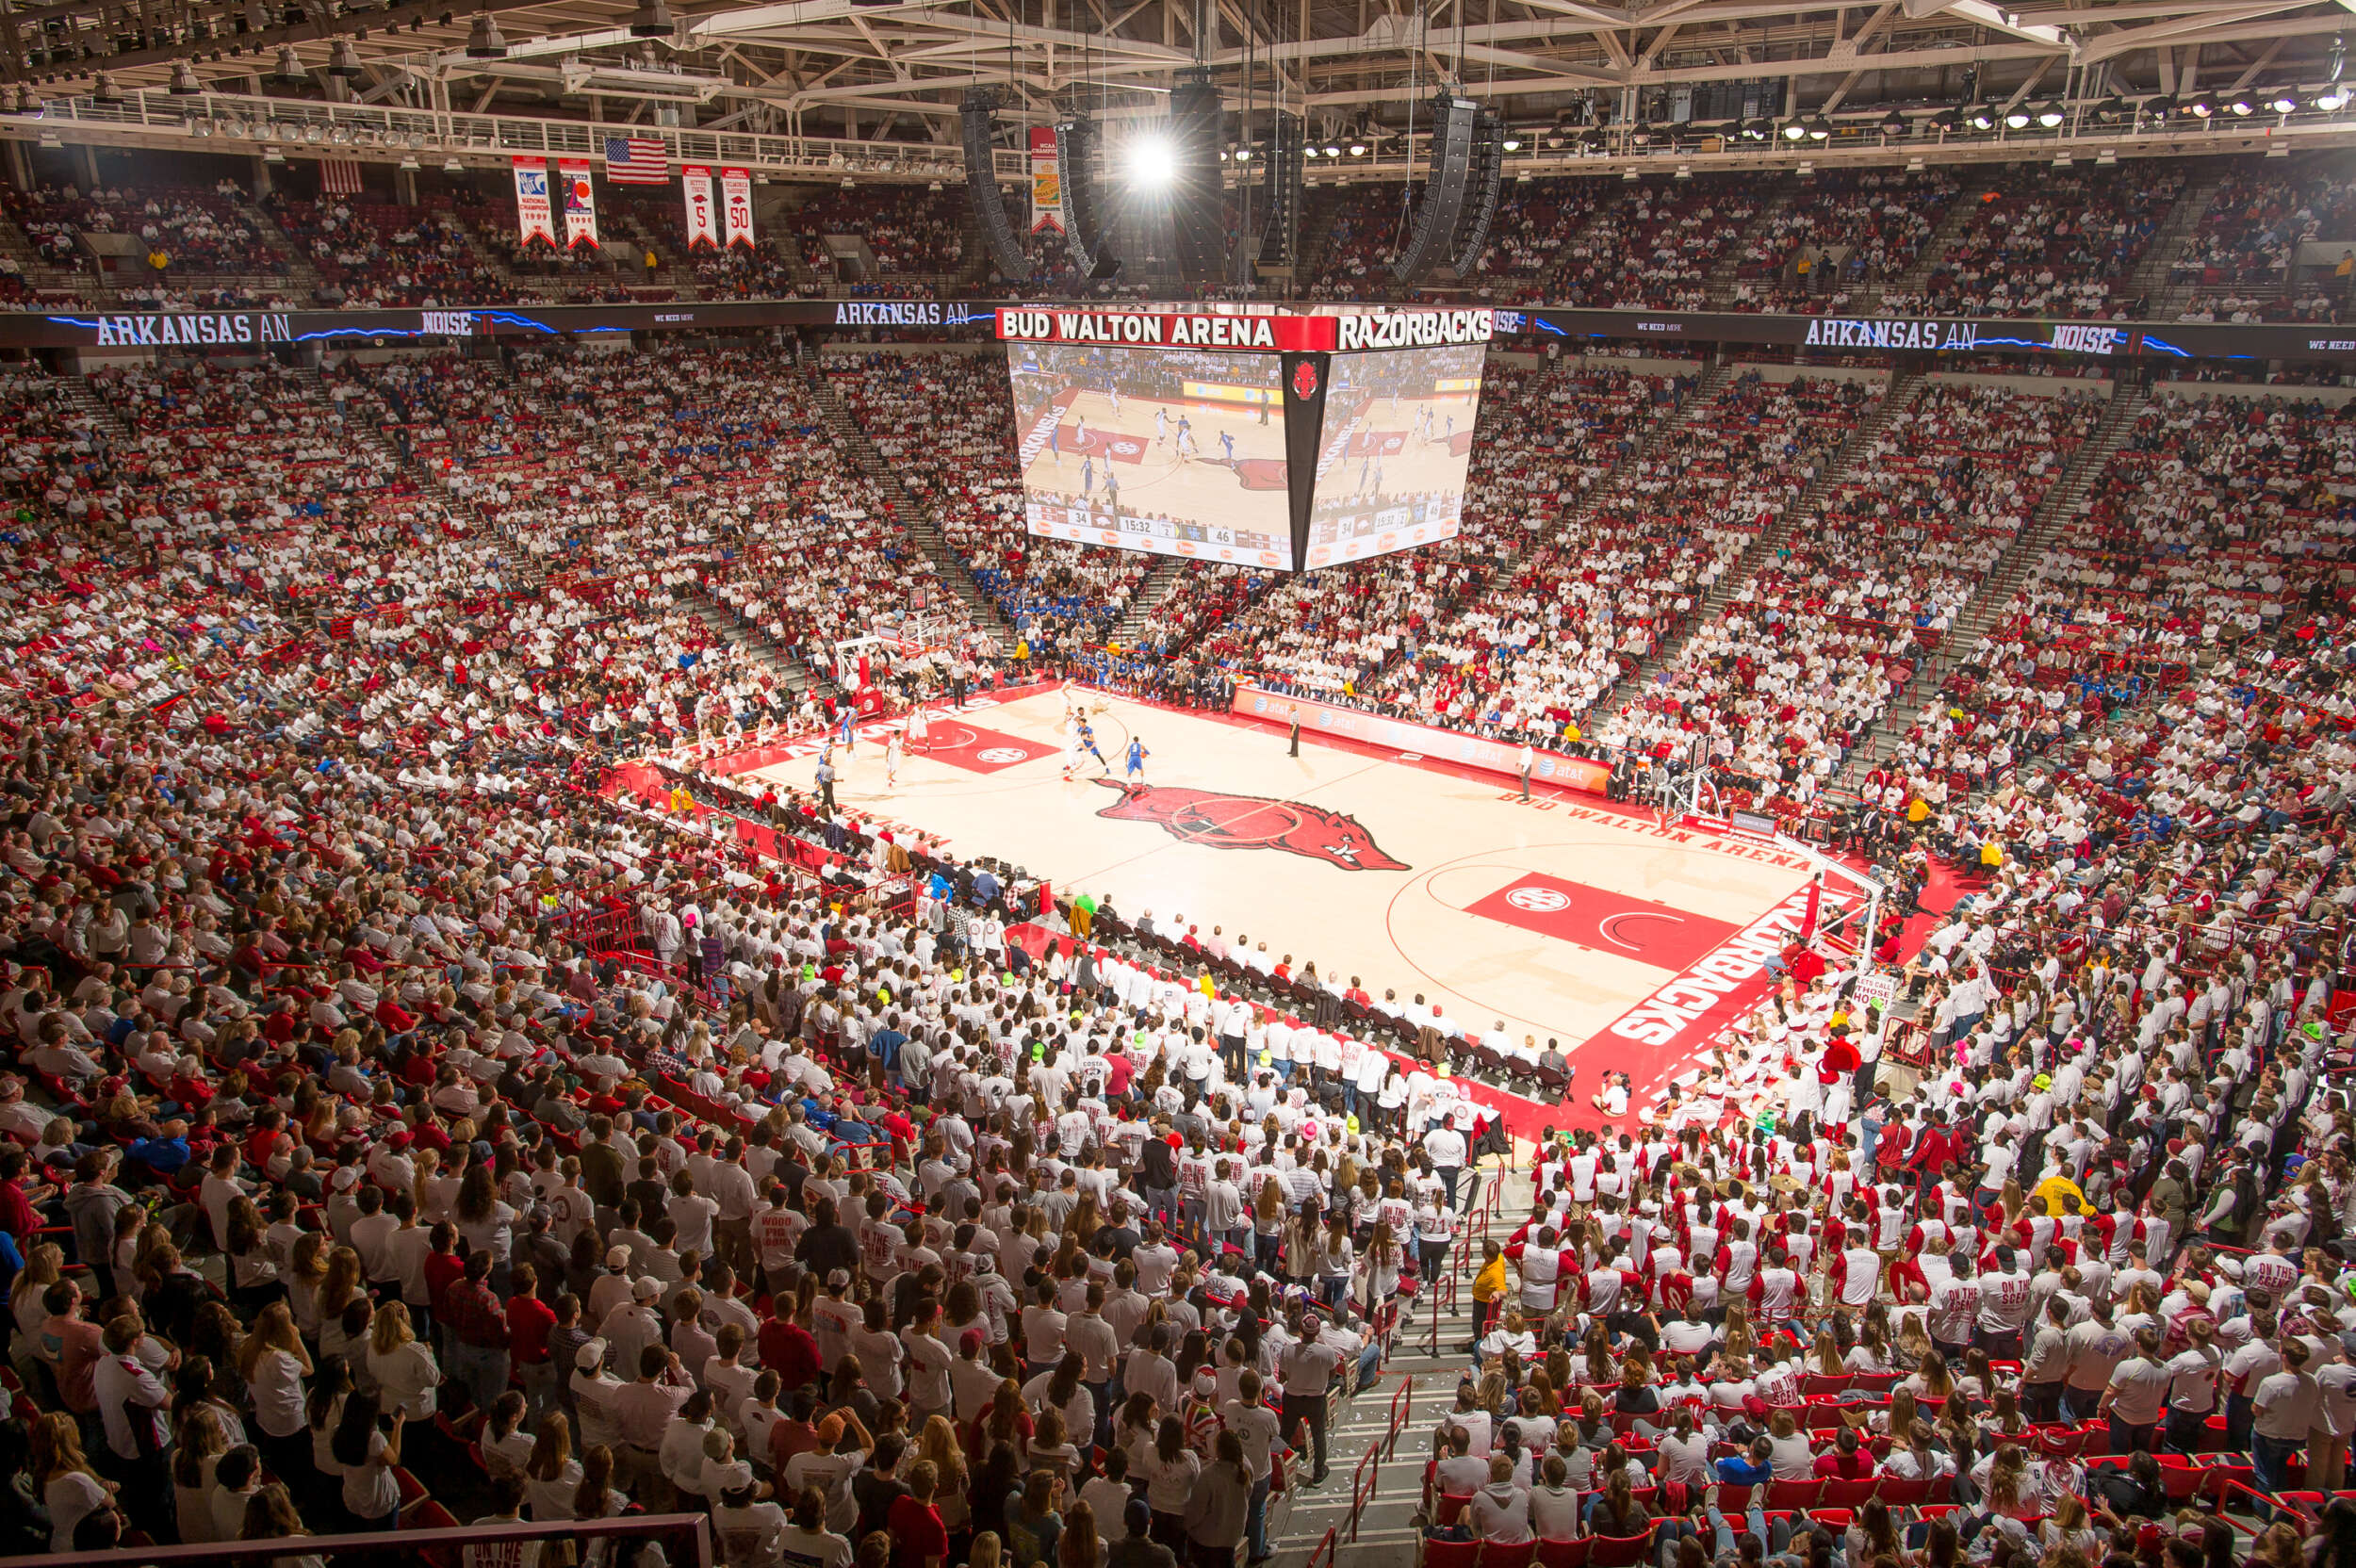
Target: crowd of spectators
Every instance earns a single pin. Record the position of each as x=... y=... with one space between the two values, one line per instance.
x=377 y=254
x=908 y=228
x=2257 y=222
x=1852 y=598
x=2041 y=243
x=195 y=229
x=2212 y=527
x=1862 y=225
x=1655 y=246
x=403 y=1129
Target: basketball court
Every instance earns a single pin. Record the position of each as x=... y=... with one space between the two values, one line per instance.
x=1562 y=918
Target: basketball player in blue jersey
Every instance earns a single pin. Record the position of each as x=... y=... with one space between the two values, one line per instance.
x=1087 y=742
x=1087 y=476
x=1227 y=446
x=1137 y=754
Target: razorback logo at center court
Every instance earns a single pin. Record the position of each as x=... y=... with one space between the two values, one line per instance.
x=1250 y=822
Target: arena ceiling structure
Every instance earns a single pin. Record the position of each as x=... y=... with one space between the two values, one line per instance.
x=872 y=90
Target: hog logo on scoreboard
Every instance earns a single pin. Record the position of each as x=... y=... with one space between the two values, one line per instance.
x=1250 y=822
x=1305 y=379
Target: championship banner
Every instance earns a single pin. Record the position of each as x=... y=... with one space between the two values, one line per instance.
x=703 y=224
x=581 y=204
x=1046 y=180
x=533 y=217
x=736 y=206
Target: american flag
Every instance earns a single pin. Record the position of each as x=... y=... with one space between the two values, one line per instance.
x=637 y=161
x=340 y=177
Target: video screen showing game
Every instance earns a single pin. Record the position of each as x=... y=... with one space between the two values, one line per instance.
x=1171 y=450
x=1397 y=443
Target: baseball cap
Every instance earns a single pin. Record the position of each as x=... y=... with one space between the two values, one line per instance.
x=972 y=1340
x=590 y=1356
x=646 y=1288
x=617 y=1257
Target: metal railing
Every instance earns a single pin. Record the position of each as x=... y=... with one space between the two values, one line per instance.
x=225 y=122
x=1363 y=1483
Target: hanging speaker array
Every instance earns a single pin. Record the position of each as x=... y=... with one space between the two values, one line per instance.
x=1082 y=205
x=1280 y=237
x=976 y=114
x=1481 y=208
x=1434 y=231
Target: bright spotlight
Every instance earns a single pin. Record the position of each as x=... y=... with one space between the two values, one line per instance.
x=1152 y=160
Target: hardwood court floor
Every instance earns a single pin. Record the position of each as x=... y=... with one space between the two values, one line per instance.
x=1558 y=917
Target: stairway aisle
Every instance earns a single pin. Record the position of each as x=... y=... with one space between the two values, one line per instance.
x=2061 y=506
x=1934 y=249
x=754 y=643
x=1158 y=577
x=924 y=530
x=1390 y=1523
x=2168 y=245
x=1895 y=397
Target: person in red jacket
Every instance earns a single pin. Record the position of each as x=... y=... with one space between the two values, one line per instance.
x=1848 y=1461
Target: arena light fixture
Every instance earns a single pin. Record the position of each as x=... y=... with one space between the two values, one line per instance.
x=1894 y=123
x=1685 y=171
x=2283 y=102
x=1152 y=161
x=1333 y=149
x=451 y=165
x=2241 y=106
x=1357 y=149
x=483 y=40
x=1795 y=131
x=290 y=69
x=2332 y=99
x=1243 y=155
x=1982 y=119
x=183 y=82
x=2111 y=110
x=105 y=92
x=2050 y=115
x=343 y=60
x=2200 y=105
x=2015 y=118
x=1818 y=129
x=1512 y=144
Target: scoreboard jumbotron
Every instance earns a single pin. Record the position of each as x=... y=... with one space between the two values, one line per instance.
x=1280 y=440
